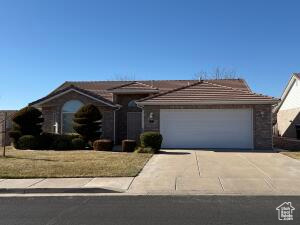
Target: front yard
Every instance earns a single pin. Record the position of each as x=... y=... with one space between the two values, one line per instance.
x=45 y=164
x=295 y=155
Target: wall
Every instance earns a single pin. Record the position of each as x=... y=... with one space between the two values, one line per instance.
x=286 y=143
x=52 y=113
x=286 y=121
x=262 y=121
x=121 y=114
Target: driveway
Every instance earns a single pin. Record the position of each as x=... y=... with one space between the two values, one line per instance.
x=210 y=172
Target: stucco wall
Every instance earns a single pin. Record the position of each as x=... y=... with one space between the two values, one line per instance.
x=286 y=120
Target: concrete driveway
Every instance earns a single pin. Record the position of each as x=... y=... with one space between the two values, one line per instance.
x=210 y=172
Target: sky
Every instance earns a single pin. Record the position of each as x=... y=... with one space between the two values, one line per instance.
x=44 y=43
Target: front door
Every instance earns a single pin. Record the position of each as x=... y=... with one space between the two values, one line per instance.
x=134 y=125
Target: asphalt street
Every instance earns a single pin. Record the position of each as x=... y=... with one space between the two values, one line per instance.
x=131 y=210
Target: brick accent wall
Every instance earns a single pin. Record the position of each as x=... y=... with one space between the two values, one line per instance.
x=52 y=113
x=263 y=131
x=262 y=123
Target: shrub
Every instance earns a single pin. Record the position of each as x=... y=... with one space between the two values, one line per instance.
x=62 y=144
x=145 y=150
x=53 y=141
x=87 y=123
x=103 y=145
x=28 y=142
x=128 y=145
x=78 y=144
x=27 y=121
x=152 y=140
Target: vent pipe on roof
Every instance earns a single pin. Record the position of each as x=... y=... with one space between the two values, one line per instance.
x=151 y=83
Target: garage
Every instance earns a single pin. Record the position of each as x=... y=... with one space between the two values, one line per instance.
x=207 y=128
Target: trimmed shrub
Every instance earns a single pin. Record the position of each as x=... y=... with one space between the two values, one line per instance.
x=103 y=145
x=62 y=144
x=50 y=141
x=28 y=142
x=145 y=150
x=78 y=144
x=87 y=122
x=128 y=145
x=27 y=121
x=152 y=140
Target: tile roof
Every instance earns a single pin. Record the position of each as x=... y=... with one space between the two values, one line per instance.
x=102 y=87
x=134 y=86
x=203 y=92
x=72 y=87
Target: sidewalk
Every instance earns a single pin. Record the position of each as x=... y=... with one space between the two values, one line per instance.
x=66 y=185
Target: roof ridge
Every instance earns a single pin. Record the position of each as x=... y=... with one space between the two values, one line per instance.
x=237 y=89
x=170 y=91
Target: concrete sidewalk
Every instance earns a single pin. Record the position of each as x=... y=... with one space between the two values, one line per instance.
x=66 y=185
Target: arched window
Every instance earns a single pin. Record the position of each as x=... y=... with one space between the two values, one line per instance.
x=132 y=104
x=67 y=113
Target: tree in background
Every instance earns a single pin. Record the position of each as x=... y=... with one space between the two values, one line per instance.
x=217 y=73
x=87 y=122
x=27 y=121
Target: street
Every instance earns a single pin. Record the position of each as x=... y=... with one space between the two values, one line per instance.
x=130 y=210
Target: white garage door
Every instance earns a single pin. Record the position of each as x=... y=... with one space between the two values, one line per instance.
x=206 y=128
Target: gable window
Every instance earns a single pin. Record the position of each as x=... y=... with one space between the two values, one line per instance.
x=132 y=104
x=68 y=111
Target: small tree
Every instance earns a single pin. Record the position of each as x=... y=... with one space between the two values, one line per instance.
x=87 y=122
x=27 y=121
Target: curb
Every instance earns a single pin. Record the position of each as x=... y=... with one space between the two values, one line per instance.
x=57 y=190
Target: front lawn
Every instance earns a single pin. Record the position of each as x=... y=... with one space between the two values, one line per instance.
x=45 y=164
x=295 y=155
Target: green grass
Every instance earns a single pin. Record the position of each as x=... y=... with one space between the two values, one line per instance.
x=45 y=164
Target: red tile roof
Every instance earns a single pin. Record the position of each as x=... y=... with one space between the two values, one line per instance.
x=204 y=92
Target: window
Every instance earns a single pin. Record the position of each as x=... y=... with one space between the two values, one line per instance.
x=68 y=111
x=132 y=104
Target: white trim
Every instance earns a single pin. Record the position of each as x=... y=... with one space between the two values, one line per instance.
x=287 y=90
x=210 y=103
x=79 y=92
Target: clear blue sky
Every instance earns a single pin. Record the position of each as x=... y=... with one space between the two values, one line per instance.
x=44 y=43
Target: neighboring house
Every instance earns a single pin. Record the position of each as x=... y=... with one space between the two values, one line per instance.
x=288 y=111
x=8 y=126
x=222 y=113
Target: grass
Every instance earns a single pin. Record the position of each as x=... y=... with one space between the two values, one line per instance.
x=45 y=164
x=295 y=155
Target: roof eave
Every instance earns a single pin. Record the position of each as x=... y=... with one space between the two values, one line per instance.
x=40 y=102
x=262 y=102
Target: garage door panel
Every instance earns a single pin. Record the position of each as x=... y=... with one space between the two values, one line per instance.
x=207 y=128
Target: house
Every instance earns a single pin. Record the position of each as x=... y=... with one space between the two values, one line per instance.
x=285 y=211
x=288 y=111
x=221 y=113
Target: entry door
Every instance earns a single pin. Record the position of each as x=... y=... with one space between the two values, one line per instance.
x=207 y=128
x=134 y=125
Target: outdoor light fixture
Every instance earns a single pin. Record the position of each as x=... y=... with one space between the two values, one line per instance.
x=151 y=118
